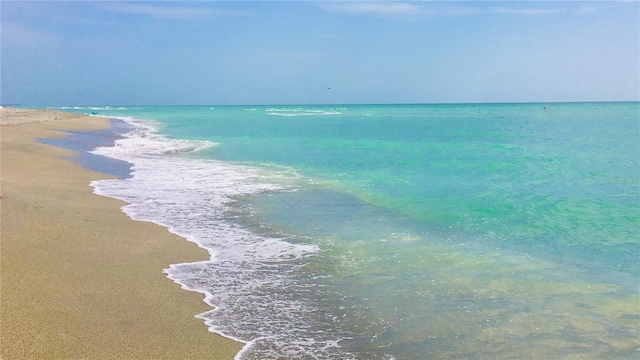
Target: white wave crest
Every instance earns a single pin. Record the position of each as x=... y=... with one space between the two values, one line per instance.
x=300 y=112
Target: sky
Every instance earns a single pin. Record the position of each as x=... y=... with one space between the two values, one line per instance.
x=80 y=53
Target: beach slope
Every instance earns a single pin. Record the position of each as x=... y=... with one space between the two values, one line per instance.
x=79 y=279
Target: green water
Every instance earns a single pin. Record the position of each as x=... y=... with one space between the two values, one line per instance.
x=446 y=231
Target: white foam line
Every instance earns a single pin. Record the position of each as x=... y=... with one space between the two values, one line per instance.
x=248 y=346
x=207 y=300
x=165 y=189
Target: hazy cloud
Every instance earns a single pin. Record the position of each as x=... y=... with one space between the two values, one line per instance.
x=25 y=36
x=377 y=8
x=412 y=9
x=164 y=12
x=586 y=10
x=506 y=10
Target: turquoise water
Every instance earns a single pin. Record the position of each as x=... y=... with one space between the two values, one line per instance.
x=400 y=231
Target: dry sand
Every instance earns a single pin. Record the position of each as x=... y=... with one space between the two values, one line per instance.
x=79 y=279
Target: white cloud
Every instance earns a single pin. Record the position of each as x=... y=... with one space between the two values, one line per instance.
x=377 y=8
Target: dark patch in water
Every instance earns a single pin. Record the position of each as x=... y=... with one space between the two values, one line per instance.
x=83 y=142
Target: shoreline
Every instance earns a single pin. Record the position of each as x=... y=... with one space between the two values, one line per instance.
x=80 y=279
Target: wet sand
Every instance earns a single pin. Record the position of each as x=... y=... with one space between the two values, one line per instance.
x=79 y=279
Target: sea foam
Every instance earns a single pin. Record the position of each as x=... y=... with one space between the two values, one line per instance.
x=300 y=112
x=249 y=280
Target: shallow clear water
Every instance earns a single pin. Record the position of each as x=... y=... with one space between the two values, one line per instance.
x=400 y=231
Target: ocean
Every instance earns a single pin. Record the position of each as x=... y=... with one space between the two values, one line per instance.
x=455 y=231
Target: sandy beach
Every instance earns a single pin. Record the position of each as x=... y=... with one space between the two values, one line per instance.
x=79 y=279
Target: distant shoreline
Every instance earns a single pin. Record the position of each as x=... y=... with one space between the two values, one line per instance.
x=98 y=107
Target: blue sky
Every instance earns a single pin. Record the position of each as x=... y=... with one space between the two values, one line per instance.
x=159 y=53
